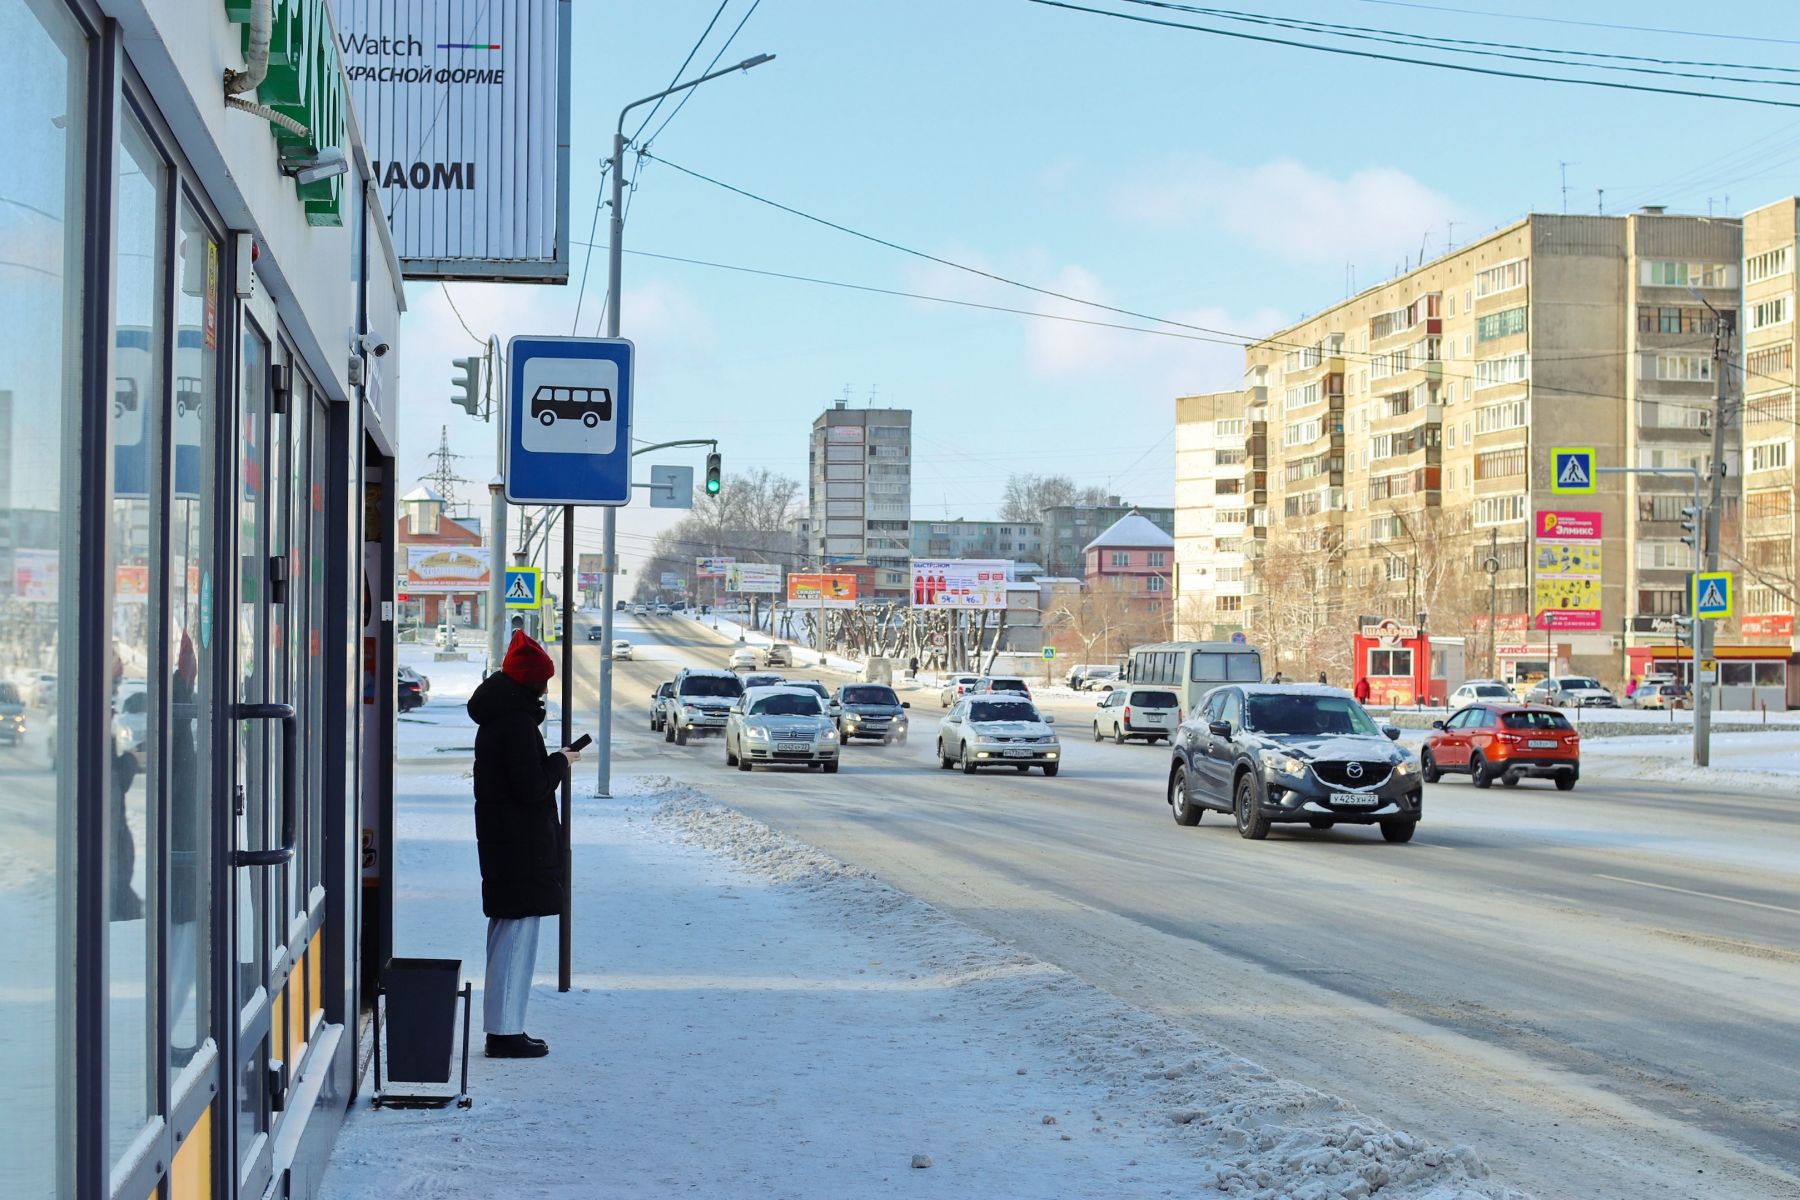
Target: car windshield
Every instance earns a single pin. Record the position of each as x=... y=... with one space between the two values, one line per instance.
x=1534 y=719
x=712 y=685
x=1102 y=672
x=1155 y=699
x=1576 y=683
x=1303 y=714
x=1491 y=689
x=870 y=695
x=8 y=694
x=1002 y=710
x=786 y=704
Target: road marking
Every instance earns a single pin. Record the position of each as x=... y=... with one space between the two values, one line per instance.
x=1707 y=895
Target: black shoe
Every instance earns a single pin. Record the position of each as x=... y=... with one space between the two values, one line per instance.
x=514 y=1045
x=536 y=1041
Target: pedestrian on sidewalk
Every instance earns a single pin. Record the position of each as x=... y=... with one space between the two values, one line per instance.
x=1361 y=689
x=517 y=835
x=912 y=667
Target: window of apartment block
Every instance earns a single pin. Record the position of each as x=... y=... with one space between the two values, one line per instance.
x=1494 y=372
x=1507 y=414
x=1670 y=555
x=1661 y=602
x=1154 y=583
x=1662 y=508
x=1769 y=456
x=1766 y=265
x=1769 y=506
x=1500 y=464
x=1659 y=273
x=1468 y=303
x=1502 y=278
x=1760 y=599
x=1773 y=363
x=1683 y=368
x=1497 y=510
x=1770 y=312
x=1674 y=319
x=1506 y=323
x=1228 y=603
x=1121 y=558
x=1158 y=558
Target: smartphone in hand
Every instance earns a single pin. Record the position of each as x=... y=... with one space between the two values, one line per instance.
x=582 y=743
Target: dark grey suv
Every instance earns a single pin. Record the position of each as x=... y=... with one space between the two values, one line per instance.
x=1280 y=752
x=869 y=710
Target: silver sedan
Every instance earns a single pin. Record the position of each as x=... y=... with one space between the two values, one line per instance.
x=986 y=730
x=776 y=725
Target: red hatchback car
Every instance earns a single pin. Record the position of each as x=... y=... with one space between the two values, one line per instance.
x=1507 y=742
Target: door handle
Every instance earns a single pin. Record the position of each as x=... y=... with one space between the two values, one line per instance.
x=290 y=776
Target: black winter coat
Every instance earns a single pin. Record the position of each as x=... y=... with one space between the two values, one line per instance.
x=516 y=829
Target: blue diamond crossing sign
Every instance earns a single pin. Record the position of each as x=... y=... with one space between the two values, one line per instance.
x=568 y=435
x=1712 y=595
x=524 y=587
x=1572 y=471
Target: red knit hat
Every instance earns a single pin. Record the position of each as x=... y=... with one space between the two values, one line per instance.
x=526 y=661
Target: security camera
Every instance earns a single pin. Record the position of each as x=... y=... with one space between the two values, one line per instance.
x=373 y=345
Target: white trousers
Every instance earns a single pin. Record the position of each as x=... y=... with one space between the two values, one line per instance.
x=511 y=959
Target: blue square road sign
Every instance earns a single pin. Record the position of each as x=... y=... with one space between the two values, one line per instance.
x=524 y=587
x=568 y=437
x=1572 y=471
x=1712 y=595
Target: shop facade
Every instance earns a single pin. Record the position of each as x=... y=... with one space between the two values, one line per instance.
x=196 y=560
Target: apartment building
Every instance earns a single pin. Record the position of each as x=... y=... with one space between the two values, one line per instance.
x=859 y=492
x=1068 y=528
x=1022 y=542
x=1397 y=445
x=1766 y=563
x=1211 y=515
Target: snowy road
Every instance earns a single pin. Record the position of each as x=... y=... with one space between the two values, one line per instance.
x=1597 y=991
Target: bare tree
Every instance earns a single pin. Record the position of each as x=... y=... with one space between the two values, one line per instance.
x=1101 y=620
x=751 y=520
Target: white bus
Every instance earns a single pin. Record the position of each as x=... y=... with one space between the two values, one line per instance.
x=1193 y=667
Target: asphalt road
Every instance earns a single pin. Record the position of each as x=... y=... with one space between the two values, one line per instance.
x=1598 y=990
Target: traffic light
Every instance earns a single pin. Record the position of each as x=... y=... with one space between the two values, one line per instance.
x=468 y=383
x=1684 y=631
x=1690 y=526
x=712 y=473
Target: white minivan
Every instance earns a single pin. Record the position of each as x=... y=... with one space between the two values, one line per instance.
x=1138 y=712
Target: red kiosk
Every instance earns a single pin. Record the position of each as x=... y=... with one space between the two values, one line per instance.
x=1396 y=660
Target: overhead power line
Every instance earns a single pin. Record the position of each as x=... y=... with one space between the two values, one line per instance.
x=1519 y=16
x=1405 y=60
x=651 y=140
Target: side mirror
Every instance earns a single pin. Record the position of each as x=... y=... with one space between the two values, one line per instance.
x=1393 y=732
x=904 y=704
x=1434 y=725
x=1219 y=728
x=1048 y=719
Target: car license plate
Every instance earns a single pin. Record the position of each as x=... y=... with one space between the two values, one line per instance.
x=1015 y=754
x=1355 y=799
x=1541 y=745
x=792 y=746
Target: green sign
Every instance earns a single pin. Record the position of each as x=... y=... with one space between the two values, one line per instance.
x=305 y=82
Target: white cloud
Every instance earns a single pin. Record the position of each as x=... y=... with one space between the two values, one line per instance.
x=1291 y=210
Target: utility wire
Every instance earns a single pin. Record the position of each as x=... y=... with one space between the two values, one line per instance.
x=676 y=78
x=1519 y=16
x=1639 y=64
x=685 y=96
x=1243 y=35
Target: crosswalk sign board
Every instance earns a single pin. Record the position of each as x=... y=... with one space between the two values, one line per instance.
x=1572 y=471
x=1712 y=595
x=524 y=586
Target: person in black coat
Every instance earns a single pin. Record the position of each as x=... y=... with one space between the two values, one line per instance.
x=517 y=835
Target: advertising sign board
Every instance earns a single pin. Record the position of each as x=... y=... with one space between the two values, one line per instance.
x=589 y=573
x=465 y=108
x=1567 y=571
x=752 y=577
x=444 y=569
x=978 y=583
x=810 y=591
x=711 y=568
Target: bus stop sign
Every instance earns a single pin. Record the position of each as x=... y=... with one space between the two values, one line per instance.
x=568 y=436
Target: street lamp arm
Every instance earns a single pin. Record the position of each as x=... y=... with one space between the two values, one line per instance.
x=757 y=61
x=683 y=442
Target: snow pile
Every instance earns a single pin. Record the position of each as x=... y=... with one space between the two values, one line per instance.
x=1255 y=1135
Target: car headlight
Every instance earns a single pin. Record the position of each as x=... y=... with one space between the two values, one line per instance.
x=1046 y=741
x=1285 y=764
x=756 y=735
x=830 y=735
x=1405 y=767
x=690 y=710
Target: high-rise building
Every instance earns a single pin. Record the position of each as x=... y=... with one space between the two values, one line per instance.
x=1211 y=515
x=1020 y=541
x=1396 y=442
x=859 y=492
x=1766 y=564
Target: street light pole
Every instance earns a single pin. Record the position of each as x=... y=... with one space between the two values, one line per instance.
x=609 y=523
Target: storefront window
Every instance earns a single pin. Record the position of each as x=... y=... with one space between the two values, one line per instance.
x=42 y=192
x=192 y=639
x=134 y=584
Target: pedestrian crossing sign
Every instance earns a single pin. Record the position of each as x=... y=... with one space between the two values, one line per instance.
x=1572 y=471
x=1712 y=595
x=524 y=587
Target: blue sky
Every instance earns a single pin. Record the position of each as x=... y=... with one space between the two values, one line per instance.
x=1223 y=183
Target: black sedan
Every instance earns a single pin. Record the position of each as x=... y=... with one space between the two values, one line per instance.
x=1268 y=753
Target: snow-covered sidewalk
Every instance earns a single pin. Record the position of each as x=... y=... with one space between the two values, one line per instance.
x=751 y=1019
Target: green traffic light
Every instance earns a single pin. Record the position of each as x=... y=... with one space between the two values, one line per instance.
x=712 y=487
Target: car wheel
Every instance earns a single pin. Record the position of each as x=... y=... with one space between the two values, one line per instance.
x=1118 y=735
x=1478 y=772
x=1398 y=831
x=1050 y=770
x=1098 y=736
x=1251 y=823
x=668 y=732
x=830 y=766
x=1021 y=768
x=1565 y=782
x=944 y=762
x=1428 y=768
x=1320 y=822
x=901 y=740
x=1185 y=813
x=681 y=736
x=968 y=764
x=731 y=760
x=1511 y=779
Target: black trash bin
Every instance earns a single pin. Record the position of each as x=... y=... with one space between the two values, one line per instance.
x=420 y=1029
